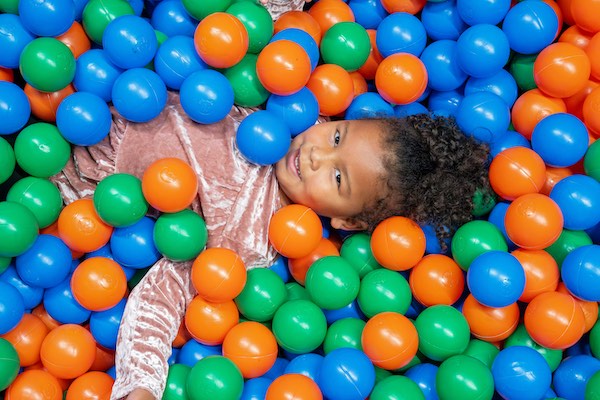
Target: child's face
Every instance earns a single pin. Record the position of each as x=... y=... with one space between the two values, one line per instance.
x=335 y=169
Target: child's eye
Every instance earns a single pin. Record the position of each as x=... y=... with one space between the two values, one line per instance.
x=338 y=177
x=336 y=138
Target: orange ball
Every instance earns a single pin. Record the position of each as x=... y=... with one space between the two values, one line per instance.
x=53 y=230
x=221 y=40
x=7 y=74
x=390 y=340
x=575 y=103
x=93 y=385
x=359 y=83
x=27 y=338
x=589 y=308
x=533 y=221
x=491 y=324
x=329 y=12
x=333 y=87
x=408 y=6
x=585 y=14
x=169 y=184
x=561 y=70
x=554 y=320
x=401 y=78
x=436 y=279
x=45 y=104
x=299 y=266
x=98 y=283
x=591 y=112
x=559 y=15
x=183 y=336
x=541 y=272
x=218 y=274
x=75 y=39
x=398 y=243
x=575 y=36
x=369 y=68
x=593 y=53
x=293 y=387
x=299 y=20
x=252 y=348
x=43 y=315
x=35 y=384
x=517 y=171
x=565 y=8
x=531 y=107
x=208 y=322
x=283 y=67
x=103 y=360
x=553 y=176
x=68 y=351
x=295 y=231
x=80 y=227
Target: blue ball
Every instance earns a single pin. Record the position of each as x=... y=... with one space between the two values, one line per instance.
x=277 y=369
x=47 y=17
x=46 y=263
x=83 y=119
x=475 y=12
x=578 y=197
x=506 y=141
x=440 y=59
x=351 y=310
x=256 y=389
x=369 y=105
x=304 y=39
x=193 y=351
x=483 y=115
x=580 y=272
x=206 y=96
x=96 y=74
x=171 y=18
x=12 y=307
x=496 y=279
x=424 y=376
x=299 y=111
x=483 y=50
x=14 y=108
x=176 y=59
x=401 y=32
x=501 y=83
x=368 y=13
x=442 y=21
x=13 y=39
x=306 y=364
x=573 y=374
x=263 y=138
x=521 y=372
x=530 y=26
x=280 y=266
x=560 y=139
x=62 y=306
x=496 y=217
x=137 y=6
x=32 y=295
x=139 y=95
x=104 y=325
x=129 y=42
x=346 y=373
x=79 y=6
x=133 y=246
x=414 y=108
x=445 y=103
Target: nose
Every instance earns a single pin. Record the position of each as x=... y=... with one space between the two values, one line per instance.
x=319 y=156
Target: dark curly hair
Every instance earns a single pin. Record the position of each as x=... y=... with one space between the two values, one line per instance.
x=434 y=171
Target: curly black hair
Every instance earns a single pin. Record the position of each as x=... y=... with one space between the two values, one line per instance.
x=434 y=171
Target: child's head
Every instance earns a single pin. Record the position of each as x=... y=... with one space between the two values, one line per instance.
x=360 y=172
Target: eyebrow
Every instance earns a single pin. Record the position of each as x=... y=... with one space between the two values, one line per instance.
x=348 y=185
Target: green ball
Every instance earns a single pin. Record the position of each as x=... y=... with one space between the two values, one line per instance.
x=591 y=161
x=566 y=243
x=384 y=290
x=381 y=374
x=247 y=89
x=345 y=332
x=521 y=68
x=41 y=151
x=483 y=351
x=40 y=196
x=465 y=378
x=7 y=160
x=397 y=387
x=483 y=203
x=180 y=236
x=520 y=337
x=176 y=388
x=262 y=295
x=47 y=64
x=4 y=263
x=346 y=44
x=595 y=339
x=9 y=6
x=9 y=363
x=443 y=332
x=18 y=229
x=215 y=377
x=97 y=14
x=119 y=200
x=299 y=326
x=332 y=283
x=356 y=249
x=475 y=238
x=200 y=9
x=592 y=387
x=295 y=291
x=258 y=23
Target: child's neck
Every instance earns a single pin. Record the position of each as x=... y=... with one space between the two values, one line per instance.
x=283 y=199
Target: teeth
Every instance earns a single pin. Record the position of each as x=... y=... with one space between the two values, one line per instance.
x=297 y=162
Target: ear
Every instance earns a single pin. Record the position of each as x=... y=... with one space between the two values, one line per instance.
x=348 y=224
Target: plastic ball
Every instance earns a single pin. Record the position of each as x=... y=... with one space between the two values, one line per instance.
x=262 y=138
x=401 y=78
x=215 y=377
x=45 y=104
x=592 y=388
x=9 y=366
x=129 y=42
x=97 y=14
x=81 y=228
x=442 y=66
x=247 y=89
x=530 y=26
x=332 y=283
x=423 y=375
x=262 y=295
x=583 y=12
x=12 y=309
x=302 y=38
x=104 y=325
x=61 y=306
x=475 y=238
x=398 y=243
x=119 y=200
x=298 y=111
x=520 y=337
x=7 y=161
x=464 y=377
x=18 y=227
x=409 y=6
x=306 y=364
x=201 y=10
x=169 y=185
x=139 y=94
x=172 y=19
x=482 y=50
x=330 y=12
x=35 y=382
x=295 y=231
x=47 y=17
x=397 y=387
x=367 y=105
x=344 y=332
x=541 y=272
x=252 y=347
x=206 y=96
x=40 y=196
x=482 y=351
x=501 y=83
x=32 y=295
x=47 y=64
x=573 y=374
x=491 y=324
x=390 y=340
x=531 y=107
x=580 y=271
x=560 y=139
x=444 y=103
x=517 y=171
x=176 y=381
x=369 y=68
x=591 y=163
x=475 y=12
x=346 y=44
x=443 y=332
x=356 y=249
x=383 y=290
x=521 y=372
x=193 y=351
x=442 y=20
x=14 y=108
x=221 y=40
x=180 y=236
x=68 y=351
x=176 y=59
x=578 y=196
x=299 y=20
x=592 y=52
x=590 y=112
x=218 y=274
x=346 y=374
x=483 y=115
x=283 y=67
x=96 y=74
x=333 y=88
x=299 y=326
x=298 y=267
x=83 y=119
x=208 y=322
x=368 y=13
x=98 y=283
x=13 y=40
x=436 y=279
x=293 y=386
x=41 y=151
x=91 y=384
x=561 y=70
x=257 y=21
x=46 y=263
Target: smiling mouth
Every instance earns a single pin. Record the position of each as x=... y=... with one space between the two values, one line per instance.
x=297 y=164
